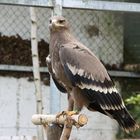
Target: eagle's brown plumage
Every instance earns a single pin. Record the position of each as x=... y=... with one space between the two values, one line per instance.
x=77 y=71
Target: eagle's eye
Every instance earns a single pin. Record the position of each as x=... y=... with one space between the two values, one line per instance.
x=50 y=21
x=61 y=21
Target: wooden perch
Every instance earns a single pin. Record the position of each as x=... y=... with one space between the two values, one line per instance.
x=68 y=121
x=66 y=130
x=78 y=120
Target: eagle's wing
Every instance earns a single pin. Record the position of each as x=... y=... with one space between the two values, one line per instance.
x=85 y=71
x=60 y=87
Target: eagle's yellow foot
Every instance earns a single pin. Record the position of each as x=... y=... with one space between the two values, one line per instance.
x=66 y=113
x=70 y=113
x=69 y=121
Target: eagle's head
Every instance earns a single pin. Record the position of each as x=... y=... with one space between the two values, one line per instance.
x=58 y=23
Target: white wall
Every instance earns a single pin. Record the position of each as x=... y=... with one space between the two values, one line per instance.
x=17 y=105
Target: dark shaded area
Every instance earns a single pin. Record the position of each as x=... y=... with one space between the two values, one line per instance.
x=130 y=87
x=132 y=38
x=17 y=51
x=113 y=66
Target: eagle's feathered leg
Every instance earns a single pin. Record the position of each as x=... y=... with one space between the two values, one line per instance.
x=69 y=111
x=78 y=100
x=75 y=103
x=70 y=103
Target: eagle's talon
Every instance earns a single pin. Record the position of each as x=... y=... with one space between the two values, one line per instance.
x=66 y=113
x=69 y=122
x=70 y=113
x=60 y=114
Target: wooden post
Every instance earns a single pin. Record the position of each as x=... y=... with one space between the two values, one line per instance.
x=66 y=131
x=36 y=72
x=53 y=132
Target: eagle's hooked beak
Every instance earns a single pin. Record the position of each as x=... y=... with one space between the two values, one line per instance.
x=55 y=23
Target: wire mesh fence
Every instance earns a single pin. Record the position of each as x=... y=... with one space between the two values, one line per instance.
x=15 y=27
x=101 y=31
x=16 y=20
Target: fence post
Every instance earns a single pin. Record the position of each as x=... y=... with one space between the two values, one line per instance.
x=36 y=72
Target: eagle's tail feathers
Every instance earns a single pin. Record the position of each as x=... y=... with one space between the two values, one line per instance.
x=125 y=120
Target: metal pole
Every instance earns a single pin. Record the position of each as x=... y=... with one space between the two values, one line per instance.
x=54 y=98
